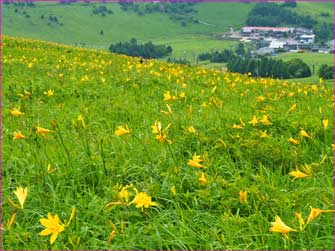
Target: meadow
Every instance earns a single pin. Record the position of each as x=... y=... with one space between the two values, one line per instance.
x=104 y=152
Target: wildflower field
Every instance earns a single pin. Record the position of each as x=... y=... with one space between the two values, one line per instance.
x=100 y=151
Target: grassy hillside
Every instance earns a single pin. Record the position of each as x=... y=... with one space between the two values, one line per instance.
x=124 y=155
x=313 y=60
x=81 y=26
x=315 y=9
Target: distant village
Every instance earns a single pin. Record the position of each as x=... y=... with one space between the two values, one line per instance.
x=272 y=40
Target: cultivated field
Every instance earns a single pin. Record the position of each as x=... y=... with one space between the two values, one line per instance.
x=130 y=155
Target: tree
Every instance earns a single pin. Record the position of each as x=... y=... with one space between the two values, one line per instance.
x=326 y=72
x=298 y=68
x=240 y=49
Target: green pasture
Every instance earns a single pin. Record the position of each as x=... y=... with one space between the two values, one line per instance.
x=248 y=137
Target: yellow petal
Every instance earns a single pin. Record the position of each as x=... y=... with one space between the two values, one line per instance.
x=46 y=231
x=53 y=237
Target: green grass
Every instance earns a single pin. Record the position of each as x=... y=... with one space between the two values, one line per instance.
x=91 y=162
x=122 y=26
x=315 y=9
x=313 y=60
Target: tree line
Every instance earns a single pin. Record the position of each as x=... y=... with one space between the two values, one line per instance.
x=240 y=60
x=146 y=50
x=268 y=67
x=271 y=14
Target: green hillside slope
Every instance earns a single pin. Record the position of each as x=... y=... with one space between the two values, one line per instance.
x=103 y=152
x=81 y=26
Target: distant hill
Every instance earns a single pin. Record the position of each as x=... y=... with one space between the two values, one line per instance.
x=97 y=25
x=76 y=24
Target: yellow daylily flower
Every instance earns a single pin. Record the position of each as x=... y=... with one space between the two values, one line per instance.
x=325 y=123
x=315 y=212
x=237 y=126
x=169 y=97
x=173 y=190
x=298 y=174
x=280 y=227
x=195 y=161
x=191 y=129
x=254 y=121
x=81 y=119
x=243 y=195
x=122 y=130
x=21 y=194
x=15 y=112
x=293 y=141
x=260 y=99
x=42 y=131
x=143 y=200
x=52 y=226
x=49 y=93
x=202 y=180
x=264 y=134
x=18 y=135
x=265 y=120
x=304 y=134
x=11 y=221
x=124 y=194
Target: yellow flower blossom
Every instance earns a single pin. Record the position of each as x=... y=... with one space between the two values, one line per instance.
x=280 y=227
x=182 y=95
x=191 y=129
x=15 y=112
x=254 y=121
x=124 y=194
x=265 y=120
x=235 y=126
x=143 y=200
x=298 y=174
x=169 y=97
x=304 y=134
x=293 y=141
x=42 y=131
x=202 y=180
x=325 y=123
x=264 y=134
x=122 y=130
x=21 y=194
x=11 y=221
x=18 y=135
x=292 y=108
x=81 y=119
x=260 y=99
x=52 y=226
x=49 y=93
x=243 y=195
x=160 y=134
x=315 y=212
x=195 y=161
x=173 y=190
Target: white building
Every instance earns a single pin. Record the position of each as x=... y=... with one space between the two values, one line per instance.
x=307 y=39
x=276 y=44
